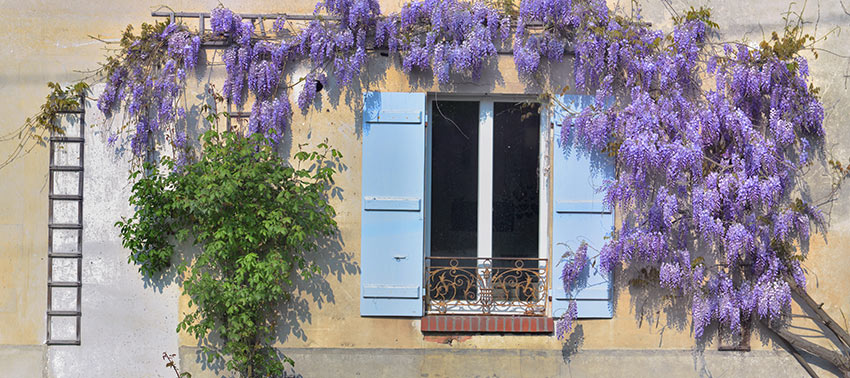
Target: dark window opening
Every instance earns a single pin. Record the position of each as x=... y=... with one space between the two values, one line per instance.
x=516 y=197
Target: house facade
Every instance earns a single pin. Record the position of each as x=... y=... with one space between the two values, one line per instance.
x=454 y=205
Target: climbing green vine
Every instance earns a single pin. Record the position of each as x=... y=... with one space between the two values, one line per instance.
x=37 y=129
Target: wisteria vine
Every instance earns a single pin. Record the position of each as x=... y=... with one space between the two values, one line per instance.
x=147 y=76
x=706 y=177
x=706 y=170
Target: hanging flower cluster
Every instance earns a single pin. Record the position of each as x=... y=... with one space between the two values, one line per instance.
x=260 y=64
x=445 y=36
x=705 y=175
x=147 y=76
x=339 y=40
x=545 y=28
x=569 y=276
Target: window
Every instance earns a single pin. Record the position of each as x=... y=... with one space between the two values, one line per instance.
x=466 y=195
x=483 y=205
x=484 y=202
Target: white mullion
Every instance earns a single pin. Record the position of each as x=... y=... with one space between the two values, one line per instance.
x=544 y=166
x=485 y=179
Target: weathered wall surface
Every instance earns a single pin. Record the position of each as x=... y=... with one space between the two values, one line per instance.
x=127 y=323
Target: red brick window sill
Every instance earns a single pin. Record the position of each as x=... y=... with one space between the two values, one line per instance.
x=487 y=324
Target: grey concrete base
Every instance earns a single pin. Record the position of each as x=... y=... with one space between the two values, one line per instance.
x=23 y=360
x=339 y=362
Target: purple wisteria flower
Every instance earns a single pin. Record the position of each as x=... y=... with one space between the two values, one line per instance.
x=708 y=176
x=150 y=95
x=461 y=36
x=574 y=267
x=706 y=165
x=565 y=324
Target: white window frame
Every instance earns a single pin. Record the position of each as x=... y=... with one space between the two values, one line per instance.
x=485 y=171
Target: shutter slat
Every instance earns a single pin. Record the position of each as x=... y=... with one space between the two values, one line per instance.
x=579 y=215
x=592 y=207
x=384 y=116
x=392 y=223
x=388 y=291
x=399 y=204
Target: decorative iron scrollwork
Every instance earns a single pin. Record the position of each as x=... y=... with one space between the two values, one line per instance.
x=487 y=286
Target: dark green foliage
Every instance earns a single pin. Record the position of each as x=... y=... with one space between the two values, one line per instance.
x=256 y=220
x=146 y=234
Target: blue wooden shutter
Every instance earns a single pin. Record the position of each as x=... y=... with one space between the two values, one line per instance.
x=578 y=215
x=392 y=223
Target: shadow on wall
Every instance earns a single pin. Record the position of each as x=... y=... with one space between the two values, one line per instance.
x=809 y=330
x=334 y=263
x=291 y=313
x=573 y=344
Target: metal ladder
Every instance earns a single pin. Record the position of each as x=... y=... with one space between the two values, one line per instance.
x=65 y=233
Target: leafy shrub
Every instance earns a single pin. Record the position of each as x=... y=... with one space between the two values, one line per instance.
x=256 y=220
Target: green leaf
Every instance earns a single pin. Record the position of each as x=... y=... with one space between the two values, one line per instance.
x=255 y=219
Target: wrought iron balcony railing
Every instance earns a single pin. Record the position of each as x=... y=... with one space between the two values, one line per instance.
x=487 y=286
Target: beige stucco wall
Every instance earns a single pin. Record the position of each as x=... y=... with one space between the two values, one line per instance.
x=48 y=41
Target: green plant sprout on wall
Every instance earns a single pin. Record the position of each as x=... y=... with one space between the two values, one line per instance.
x=37 y=129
